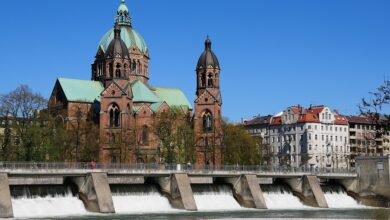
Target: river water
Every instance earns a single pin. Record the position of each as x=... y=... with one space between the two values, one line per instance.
x=213 y=202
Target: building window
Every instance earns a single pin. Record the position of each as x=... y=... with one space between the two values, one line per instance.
x=309 y=136
x=145 y=134
x=315 y=137
x=207 y=121
x=322 y=138
x=210 y=81
x=114 y=115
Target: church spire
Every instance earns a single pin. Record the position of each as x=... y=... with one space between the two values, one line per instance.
x=123 y=16
x=207 y=43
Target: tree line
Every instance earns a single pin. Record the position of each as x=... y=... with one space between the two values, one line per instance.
x=28 y=132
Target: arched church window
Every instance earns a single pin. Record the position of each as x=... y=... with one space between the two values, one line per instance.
x=203 y=80
x=207 y=121
x=118 y=71
x=210 y=80
x=114 y=115
x=145 y=134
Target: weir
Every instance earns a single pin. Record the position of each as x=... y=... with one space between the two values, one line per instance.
x=173 y=189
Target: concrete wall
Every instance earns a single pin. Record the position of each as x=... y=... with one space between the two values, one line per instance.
x=374 y=180
x=5 y=197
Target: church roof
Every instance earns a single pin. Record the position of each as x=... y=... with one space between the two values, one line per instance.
x=141 y=93
x=173 y=97
x=77 y=90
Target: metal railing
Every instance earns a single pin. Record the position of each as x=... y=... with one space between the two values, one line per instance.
x=168 y=167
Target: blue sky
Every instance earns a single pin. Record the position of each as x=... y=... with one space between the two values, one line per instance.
x=272 y=53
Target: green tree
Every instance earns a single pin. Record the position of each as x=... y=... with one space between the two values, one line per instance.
x=174 y=130
x=241 y=147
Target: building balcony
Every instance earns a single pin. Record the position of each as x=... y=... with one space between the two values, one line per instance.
x=352 y=137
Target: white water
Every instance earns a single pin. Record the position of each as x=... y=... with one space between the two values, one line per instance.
x=281 y=197
x=338 y=198
x=55 y=205
x=212 y=198
x=141 y=200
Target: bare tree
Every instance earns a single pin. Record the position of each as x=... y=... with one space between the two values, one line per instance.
x=22 y=107
x=374 y=108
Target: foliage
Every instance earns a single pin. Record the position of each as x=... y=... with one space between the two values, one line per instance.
x=174 y=130
x=240 y=146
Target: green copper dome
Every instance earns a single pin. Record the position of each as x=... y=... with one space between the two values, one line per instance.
x=128 y=35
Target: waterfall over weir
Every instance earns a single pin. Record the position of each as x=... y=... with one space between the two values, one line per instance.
x=336 y=197
x=214 y=197
x=45 y=202
x=281 y=197
x=139 y=199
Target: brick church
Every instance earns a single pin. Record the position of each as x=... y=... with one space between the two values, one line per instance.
x=122 y=101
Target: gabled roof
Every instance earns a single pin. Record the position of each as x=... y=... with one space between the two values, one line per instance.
x=141 y=93
x=173 y=97
x=77 y=90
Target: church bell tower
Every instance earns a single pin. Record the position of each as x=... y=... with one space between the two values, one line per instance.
x=208 y=106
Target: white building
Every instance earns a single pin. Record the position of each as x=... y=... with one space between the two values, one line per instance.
x=312 y=137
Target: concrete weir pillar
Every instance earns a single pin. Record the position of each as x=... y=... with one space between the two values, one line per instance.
x=247 y=191
x=6 y=210
x=311 y=185
x=178 y=189
x=308 y=189
x=94 y=191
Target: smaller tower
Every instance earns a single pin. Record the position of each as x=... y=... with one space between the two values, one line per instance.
x=114 y=63
x=208 y=106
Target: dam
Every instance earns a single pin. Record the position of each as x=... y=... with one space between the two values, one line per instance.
x=64 y=189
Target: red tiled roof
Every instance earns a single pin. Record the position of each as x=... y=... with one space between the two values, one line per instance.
x=276 y=121
x=308 y=117
x=296 y=109
x=315 y=109
x=340 y=120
